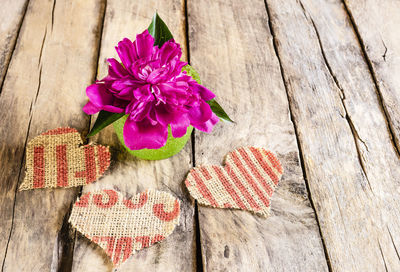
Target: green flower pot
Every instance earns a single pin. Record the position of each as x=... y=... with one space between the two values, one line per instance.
x=172 y=147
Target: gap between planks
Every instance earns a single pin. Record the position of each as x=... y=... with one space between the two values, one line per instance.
x=199 y=255
x=67 y=231
x=293 y=121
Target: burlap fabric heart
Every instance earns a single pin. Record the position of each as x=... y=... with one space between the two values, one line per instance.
x=119 y=225
x=57 y=158
x=247 y=181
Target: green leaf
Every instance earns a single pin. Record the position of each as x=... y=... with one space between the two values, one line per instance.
x=218 y=110
x=104 y=119
x=159 y=30
x=192 y=72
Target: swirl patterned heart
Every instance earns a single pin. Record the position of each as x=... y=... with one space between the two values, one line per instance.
x=122 y=226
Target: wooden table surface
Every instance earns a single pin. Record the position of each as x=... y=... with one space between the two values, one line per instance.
x=315 y=81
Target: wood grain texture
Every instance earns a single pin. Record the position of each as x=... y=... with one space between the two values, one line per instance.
x=11 y=13
x=352 y=169
x=326 y=72
x=377 y=24
x=54 y=60
x=231 y=48
x=130 y=175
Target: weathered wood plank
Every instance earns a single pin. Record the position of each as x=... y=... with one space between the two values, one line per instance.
x=351 y=166
x=54 y=59
x=130 y=175
x=11 y=14
x=231 y=47
x=377 y=23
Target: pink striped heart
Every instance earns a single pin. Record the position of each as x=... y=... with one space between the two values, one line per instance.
x=247 y=181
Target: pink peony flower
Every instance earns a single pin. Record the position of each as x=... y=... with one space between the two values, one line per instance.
x=150 y=86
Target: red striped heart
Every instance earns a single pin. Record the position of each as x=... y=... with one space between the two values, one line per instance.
x=247 y=181
x=58 y=158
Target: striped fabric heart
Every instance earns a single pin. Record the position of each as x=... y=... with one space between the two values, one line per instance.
x=247 y=181
x=122 y=226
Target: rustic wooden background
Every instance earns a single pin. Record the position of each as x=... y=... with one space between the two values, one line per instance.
x=316 y=81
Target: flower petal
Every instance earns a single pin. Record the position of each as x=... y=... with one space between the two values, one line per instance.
x=115 y=69
x=139 y=109
x=158 y=75
x=208 y=125
x=205 y=93
x=142 y=92
x=144 y=44
x=99 y=95
x=170 y=50
x=113 y=109
x=176 y=67
x=126 y=52
x=139 y=135
x=179 y=127
x=167 y=114
x=90 y=108
x=172 y=92
x=200 y=114
x=125 y=94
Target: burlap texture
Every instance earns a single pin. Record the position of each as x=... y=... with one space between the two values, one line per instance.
x=247 y=181
x=120 y=226
x=57 y=158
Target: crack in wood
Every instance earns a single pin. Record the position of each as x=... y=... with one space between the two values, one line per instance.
x=26 y=141
x=293 y=121
x=347 y=117
x=102 y=18
x=383 y=257
x=15 y=194
x=359 y=155
x=384 y=53
x=65 y=244
x=199 y=253
x=394 y=245
x=7 y=61
x=52 y=14
x=393 y=138
x=23 y=156
x=30 y=108
x=39 y=84
x=41 y=48
x=341 y=213
x=336 y=81
x=185 y=7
